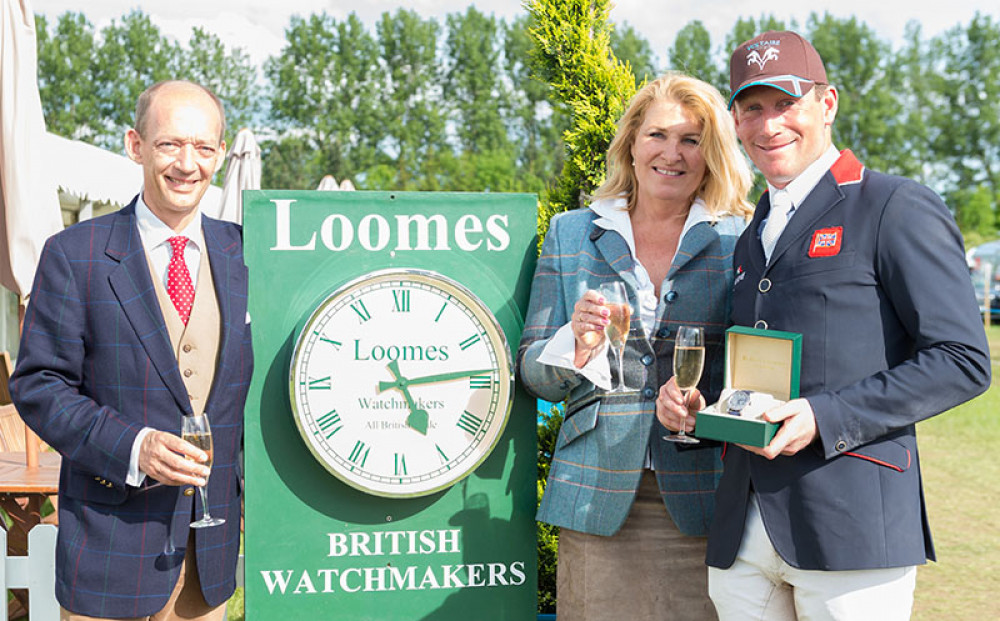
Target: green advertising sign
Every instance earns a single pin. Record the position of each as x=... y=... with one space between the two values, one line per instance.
x=390 y=459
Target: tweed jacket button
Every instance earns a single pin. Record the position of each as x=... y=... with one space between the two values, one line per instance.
x=760 y=324
x=648 y=393
x=670 y=297
x=189 y=491
x=647 y=359
x=764 y=286
x=841 y=446
x=663 y=333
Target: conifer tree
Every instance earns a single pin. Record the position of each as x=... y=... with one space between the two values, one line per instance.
x=573 y=55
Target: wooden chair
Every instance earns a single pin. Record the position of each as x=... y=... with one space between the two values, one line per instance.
x=12 y=430
x=14 y=434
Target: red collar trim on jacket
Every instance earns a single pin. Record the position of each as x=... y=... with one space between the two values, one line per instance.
x=847 y=169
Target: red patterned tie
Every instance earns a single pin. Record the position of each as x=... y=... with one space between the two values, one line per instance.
x=179 y=286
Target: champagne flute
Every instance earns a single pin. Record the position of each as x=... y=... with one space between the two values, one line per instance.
x=689 y=360
x=195 y=430
x=616 y=299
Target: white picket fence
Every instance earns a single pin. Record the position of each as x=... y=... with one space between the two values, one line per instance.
x=37 y=573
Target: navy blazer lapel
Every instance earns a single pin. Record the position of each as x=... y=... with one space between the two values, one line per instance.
x=822 y=199
x=699 y=237
x=230 y=276
x=752 y=232
x=133 y=287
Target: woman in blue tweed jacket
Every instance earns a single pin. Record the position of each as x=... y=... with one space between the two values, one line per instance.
x=633 y=508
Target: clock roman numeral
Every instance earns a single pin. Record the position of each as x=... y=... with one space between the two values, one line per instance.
x=478 y=382
x=328 y=420
x=360 y=452
x=359 y=308
x=401 y=301
x=469 y=342
x=336 y=344
x=321 y=383
x=400 y=464
x=444 y=458
x=469 y=423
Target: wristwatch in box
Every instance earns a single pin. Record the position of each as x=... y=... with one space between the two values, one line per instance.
x=738 y=401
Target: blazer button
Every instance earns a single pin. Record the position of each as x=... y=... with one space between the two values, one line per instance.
x=663 y=333
x=760 y=325
x=764 y=286
x=189 y=491
x=840 y=446
x=187 y=347
x=648 y=393
x=188 y=372
x=647 y=359
x=670 y=297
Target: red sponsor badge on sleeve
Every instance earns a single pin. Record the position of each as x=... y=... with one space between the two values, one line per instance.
x=826 y=242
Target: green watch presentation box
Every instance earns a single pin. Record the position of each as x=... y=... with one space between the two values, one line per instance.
x=766 y=361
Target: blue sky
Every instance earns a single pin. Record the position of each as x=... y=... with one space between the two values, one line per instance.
x=258 y=26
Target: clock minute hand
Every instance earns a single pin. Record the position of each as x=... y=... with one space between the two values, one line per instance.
x=417 y=420
x=431 y=379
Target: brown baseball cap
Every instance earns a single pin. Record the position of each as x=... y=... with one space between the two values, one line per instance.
x=781 y=60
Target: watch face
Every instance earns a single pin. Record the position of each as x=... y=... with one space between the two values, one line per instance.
x=738 y=400
x=401 y=382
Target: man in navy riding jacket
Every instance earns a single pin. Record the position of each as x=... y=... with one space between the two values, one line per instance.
x=828 y=521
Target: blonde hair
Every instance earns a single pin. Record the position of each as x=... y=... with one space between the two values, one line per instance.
x=727 y=177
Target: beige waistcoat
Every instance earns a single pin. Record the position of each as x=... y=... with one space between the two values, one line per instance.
x=196 y=345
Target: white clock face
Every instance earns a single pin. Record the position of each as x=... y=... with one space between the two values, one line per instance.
x=401 y=382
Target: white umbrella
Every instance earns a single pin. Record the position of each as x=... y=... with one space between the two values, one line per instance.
x=328 y=183
x=242 y=173
x=30 y=202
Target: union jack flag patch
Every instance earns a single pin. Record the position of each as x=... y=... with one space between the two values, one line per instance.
x=826 y=242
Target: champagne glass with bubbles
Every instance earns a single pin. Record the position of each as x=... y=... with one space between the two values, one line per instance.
x=689 y=360
x=616 y=299
x=195 y=429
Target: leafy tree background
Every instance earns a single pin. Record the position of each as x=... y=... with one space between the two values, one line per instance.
x=477 y=103
x=473 y=102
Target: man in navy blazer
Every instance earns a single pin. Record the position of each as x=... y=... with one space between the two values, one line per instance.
x=828 y=521
x=110 y=362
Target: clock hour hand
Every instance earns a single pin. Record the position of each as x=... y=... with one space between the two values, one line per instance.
x=417 y=420
x=430 y=379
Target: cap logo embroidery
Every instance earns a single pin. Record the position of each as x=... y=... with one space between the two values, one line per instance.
x=770 y=53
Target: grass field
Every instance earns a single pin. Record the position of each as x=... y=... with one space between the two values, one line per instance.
x=962 y=487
